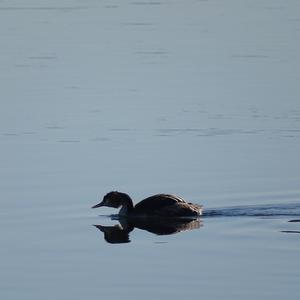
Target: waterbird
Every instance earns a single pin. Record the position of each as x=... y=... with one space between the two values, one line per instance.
x=160 y=205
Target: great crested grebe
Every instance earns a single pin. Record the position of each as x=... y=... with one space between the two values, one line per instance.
x=161 y=205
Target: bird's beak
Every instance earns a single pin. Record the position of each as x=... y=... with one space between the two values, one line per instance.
x=98 y=205
x=100 y=227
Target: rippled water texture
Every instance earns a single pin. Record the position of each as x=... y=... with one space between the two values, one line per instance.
x=195 y=98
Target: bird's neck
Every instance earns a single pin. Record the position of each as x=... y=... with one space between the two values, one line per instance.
x=126 y=206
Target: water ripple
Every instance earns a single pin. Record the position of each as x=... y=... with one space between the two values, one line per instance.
x=269 y=210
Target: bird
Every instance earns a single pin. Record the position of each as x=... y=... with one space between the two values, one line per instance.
x=160 y=205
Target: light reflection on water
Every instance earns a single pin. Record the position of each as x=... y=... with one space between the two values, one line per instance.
x=195 y=98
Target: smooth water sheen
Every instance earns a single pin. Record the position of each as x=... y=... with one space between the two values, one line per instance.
x=195 y=98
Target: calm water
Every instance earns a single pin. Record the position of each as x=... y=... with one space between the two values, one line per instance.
x=196 y=98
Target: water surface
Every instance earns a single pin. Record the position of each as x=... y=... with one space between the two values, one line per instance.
x=195 y=98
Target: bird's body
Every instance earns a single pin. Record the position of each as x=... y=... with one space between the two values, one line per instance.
x=160 y=205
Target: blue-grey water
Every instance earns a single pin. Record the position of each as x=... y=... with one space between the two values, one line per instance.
x=195 y=98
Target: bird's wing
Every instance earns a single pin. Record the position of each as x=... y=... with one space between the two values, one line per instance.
x=157 y=202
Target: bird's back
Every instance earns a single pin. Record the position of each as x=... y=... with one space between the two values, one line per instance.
x=166 y=205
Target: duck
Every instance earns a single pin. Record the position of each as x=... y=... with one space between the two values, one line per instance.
x=160 y=205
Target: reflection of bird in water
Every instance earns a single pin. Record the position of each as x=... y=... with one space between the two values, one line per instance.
x=161 y=226
x=114 y=234
x=163 y=205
